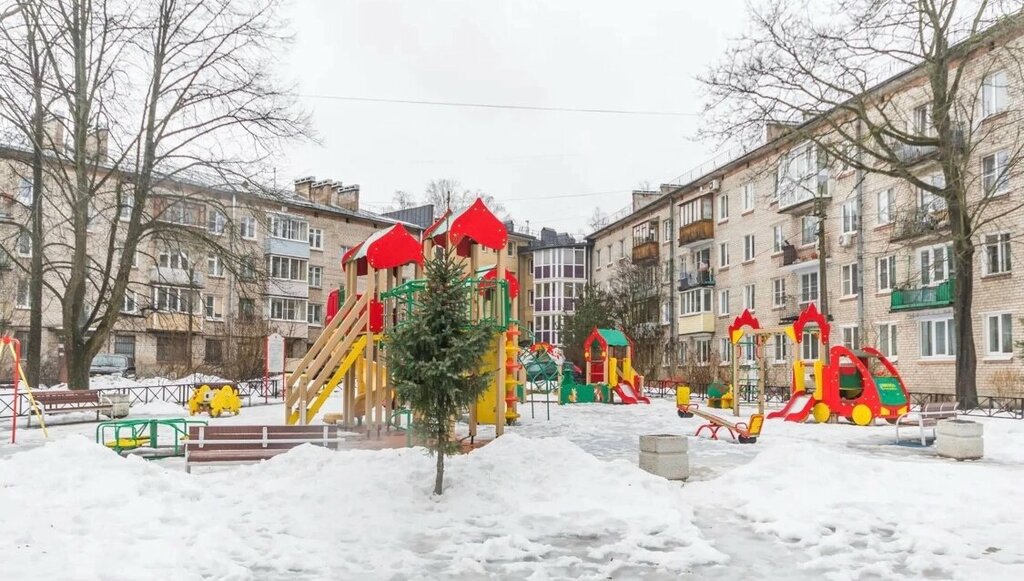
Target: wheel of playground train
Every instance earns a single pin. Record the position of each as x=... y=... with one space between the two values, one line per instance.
x=862 y=415
x=821 y=412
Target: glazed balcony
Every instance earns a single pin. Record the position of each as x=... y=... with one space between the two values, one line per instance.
x=688 y=280
x=646 y=251
x=698 y=231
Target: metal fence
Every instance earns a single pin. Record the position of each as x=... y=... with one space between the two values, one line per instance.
x=989 y=406
x=252 y=392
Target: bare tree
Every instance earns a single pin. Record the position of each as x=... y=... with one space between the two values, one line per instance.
x=448 y=193
x=635 y=298
x=597 y=220
x=169 y=110
x=402 y=200
x=823 y=73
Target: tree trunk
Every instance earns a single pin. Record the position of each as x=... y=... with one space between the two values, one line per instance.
x=35 y=288
x=78 y=362
x=966 y=355
x=439 y=476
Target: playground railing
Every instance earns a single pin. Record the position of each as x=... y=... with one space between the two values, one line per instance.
x=252 y=392
x=990 y=406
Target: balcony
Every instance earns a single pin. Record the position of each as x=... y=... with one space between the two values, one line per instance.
x=796 y=197
x=176 y=277
x=171 y=322
x=688 y=280
x=286 y=247
x=794 y=258
x=920 y=222
x=911 y=155
x=645 y=251
x=794 y=305
x=696 y=232
x=293 y=289
x=696 y=323
x=929 y=297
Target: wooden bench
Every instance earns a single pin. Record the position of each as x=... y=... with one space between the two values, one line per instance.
x=243 y=444
x=69 y=401
x=927 y=417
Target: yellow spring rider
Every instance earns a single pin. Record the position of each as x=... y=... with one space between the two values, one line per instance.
x=215 y=401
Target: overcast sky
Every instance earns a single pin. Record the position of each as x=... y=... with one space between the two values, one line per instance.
x=550 y=168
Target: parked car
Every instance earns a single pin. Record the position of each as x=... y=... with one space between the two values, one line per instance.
x=112 y=364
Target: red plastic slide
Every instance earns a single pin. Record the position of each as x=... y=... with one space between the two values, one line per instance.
x=629 y=395
x=796 y=409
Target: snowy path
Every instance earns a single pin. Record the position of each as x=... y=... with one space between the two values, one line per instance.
x=557 y=499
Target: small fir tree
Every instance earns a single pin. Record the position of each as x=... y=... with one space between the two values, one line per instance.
x=434 y=357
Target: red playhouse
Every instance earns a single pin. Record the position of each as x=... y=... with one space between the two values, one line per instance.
x=609 y=359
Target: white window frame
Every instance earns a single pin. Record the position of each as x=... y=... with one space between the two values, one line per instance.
x=999 y=245
x=177 y=299
x=25 y=193
x=805 y=222
x=130 y=303
x=723 y=302
x=995 y=174
x=723 y=254
x=810 y=348
x=779 y=292
x=723 y=208
x=316 y=239
x=702 y=350
x=725 y=351
x=805 y=294
x=930 y=276
x=994 y=94
x=749 y=250
x=885 y=273
x=210 y=308
x=850 y=336
x=748 y=197
x=317 y=280
x=696 y=301
x=24 y=244
x=124 y=213
x=886 y=206
x=284 y=305
x=247 y=228
x=850 y=278
x=285 y=227
x=780 y=348
x=216 y=222
x=778 y=238
x=750 y=297
x=287 y=268
x=22 y=294
x=1003 y=347
x=850 y=217
x=174 y=259
x=929 y=347
x=888 y=346
x=215 y=266
x=314 y=309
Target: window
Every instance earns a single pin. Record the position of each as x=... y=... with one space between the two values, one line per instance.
x=723 y=255
x=211 y=307
x=808 y=230
x=887 y=340
x=993 y=94
x=246 y=269
x=288 y=228
x=936 y=263
x=778 y=292
x=695 y=210
x=851 y=279
x=214 y=351
x=808 y=288
x=171 y=299
x=748 y=297
x=937 y=338
x=316 y=239
x=886 y=206
x=723 y=302
x=851 y=337
x=622 y=249
x=995 y=173
x=597 y=258
x=184 y=213
x=124 y=345
x=315 y=314
x=748 y=248
x=781 y=344
x=695 y=301
x=285 y=268
x=999 y=335
x=748 y=349
x=215 y=221
x=282 y=309
x=173 y=259
x=125 y=211
x=997 y=253
x=170 y=349
x=851 y=217
x=609 y=248
x=25 y=191
x=130 y=303
x=246 y=309
x=885 y=271
x=529 y=297
x=214 y=266
x=21 y=299
x=725 y=349
x=723 y=207
x=24 y=244
x=702 y=351
x=923 y=120
x=748 y=196
x=247 y=228
x=928 y=200
x=809 y=347
x=666 y=230
x=777 y=239
x=316 y=276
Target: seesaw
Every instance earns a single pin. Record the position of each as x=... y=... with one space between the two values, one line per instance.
x=745 y=432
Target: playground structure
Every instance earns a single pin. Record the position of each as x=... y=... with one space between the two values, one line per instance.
x=11 y=346
x=542 y=364
x=747 y=324
x=744 y=432
x=608 y=356
x=143 y=436
x=215 y=401
x=859 y=385
x=349 y=352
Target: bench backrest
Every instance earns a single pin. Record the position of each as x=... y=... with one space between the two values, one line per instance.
x=66 y=397
x=265 y=437
x=940 y=408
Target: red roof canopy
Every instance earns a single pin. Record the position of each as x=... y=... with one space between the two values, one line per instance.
x=384 y=249
x=510 y=277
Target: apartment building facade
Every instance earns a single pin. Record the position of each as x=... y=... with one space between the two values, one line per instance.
x=559 y=269
x=748 y=238
x=186 y=308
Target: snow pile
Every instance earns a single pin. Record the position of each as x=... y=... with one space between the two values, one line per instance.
x=159 y=408
x=875 y=516
x=515 y=508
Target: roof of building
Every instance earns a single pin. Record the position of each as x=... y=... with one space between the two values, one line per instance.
x=422 y=216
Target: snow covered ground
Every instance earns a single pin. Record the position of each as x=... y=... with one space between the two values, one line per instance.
x=554 y=499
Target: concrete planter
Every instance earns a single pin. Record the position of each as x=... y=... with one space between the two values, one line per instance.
x=118 y=402
x=665 y=455
x=959 y=439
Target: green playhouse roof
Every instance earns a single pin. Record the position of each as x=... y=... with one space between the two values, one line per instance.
x=613 y=337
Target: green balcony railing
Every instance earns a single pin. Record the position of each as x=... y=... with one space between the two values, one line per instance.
x=928 y=297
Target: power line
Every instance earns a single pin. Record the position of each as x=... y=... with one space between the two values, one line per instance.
x=501 y=106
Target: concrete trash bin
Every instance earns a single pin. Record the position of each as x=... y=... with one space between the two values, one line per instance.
x=665 y=455
x=118 y=403
x=959 y=439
